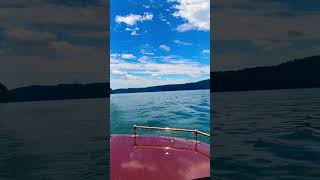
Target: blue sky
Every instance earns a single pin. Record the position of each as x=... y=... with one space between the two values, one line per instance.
x=159 y=42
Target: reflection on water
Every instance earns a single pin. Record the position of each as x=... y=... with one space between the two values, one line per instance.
x=61 y=140
x=178 y=109
x=266 y=134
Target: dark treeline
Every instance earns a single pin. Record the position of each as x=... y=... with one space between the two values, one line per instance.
x=3 y=90
x=205 y=84
x=300 y=73
x=58 y=92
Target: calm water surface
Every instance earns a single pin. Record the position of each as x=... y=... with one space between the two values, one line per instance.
x=267 y=135
x=257 y=135
x=54 y=140
x=177 y=109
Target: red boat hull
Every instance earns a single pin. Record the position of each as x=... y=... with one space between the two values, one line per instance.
x=157 y=158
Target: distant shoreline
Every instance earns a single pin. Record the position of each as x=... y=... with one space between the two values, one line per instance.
x=159 y=92
x=47 y=100
x=226 y=91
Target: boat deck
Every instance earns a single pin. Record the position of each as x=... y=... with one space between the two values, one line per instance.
x=137 y=157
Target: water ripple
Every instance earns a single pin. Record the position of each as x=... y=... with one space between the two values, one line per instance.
x=180 y=109
x=266 y=135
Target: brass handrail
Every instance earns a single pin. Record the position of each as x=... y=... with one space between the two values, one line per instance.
x=196 y=132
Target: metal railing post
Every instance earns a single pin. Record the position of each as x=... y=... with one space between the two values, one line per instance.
x=134 y=130
x=196 y=134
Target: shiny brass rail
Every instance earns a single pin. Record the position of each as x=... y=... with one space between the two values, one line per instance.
x=196 y=132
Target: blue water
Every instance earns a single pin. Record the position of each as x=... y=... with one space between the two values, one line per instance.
x=177 y=109
x=266 y=135
x=54 y=140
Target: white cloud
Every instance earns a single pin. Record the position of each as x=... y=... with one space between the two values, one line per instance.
x=147 y=16
x=115 y=56
x=127 y=56
x=120 y=73
x=196 y=13
x=133 y=31
x=145 y=59
x=132 y=19
x=182 y=43
x=206 y=51
x=165 y=47
x=162 y=18
x=129 y=19
x=147 y=72
x=146 y=52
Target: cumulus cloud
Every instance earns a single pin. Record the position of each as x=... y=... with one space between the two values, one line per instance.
x=146 y=52
x=132 y=19
x=127 y=56
x=196 y=13
x=165 y=47
x=133 y=31
x=182 y=43
x=123 y=56
x=206 y=51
